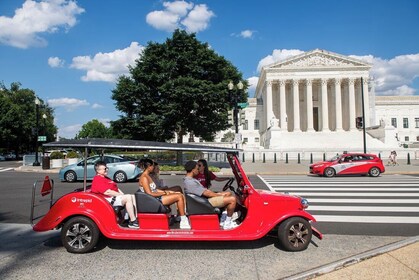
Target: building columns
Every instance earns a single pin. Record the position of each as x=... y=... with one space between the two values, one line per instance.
x=269 y=111
x=325 y=106
x=296 y=105
x=366 y=102
x=338 y=105
x=352 y=120
x=309 y=87
x=282 y=105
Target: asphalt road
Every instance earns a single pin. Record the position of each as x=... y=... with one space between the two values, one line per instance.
x=16 y=190
x=25 y=254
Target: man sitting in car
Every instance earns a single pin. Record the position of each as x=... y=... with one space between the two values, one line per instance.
x=221 y=199
x=105 y=186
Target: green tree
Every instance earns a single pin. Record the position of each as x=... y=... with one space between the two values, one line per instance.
x=94 y=129
x=18 y=119
x=178 y=86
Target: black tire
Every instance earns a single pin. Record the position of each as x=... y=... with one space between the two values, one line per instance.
x=374 y=172
x=120 y=177
x=79 y=235
x=329 y=172
x=70 y=176
x=295 y=234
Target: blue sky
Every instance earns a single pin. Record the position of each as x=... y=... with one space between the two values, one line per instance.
x=70 y=52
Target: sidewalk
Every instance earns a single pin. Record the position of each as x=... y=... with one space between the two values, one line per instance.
x=395 y=261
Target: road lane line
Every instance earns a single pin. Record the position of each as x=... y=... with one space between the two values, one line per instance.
x=367 y=219
x=362 y=208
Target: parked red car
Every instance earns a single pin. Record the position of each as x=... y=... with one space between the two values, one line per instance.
x=83 y=216
x=349 y=164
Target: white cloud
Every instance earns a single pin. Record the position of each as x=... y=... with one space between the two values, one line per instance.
x=69 y=131
x=392 y=76
x=96 y=106
x=277 y=55
x=253 y=82
x=55 y=62
x=107 y=66
x=181 y=14
x=247 y=34
x=24 y=29
x=69 y=104
x=198 y=19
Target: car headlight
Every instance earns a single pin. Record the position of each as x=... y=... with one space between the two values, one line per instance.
x=304 y=203
x=318 y=165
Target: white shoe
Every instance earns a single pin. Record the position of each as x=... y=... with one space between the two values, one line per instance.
x=223 y=218
x=230 y=225
x=185 y=224
x=235 y=216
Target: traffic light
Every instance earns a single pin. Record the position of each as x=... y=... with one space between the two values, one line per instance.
x=242 y=117
x=359 y=122
x=230 y=118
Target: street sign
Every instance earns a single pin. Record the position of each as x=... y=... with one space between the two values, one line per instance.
x=243 y=105
x=42 y=138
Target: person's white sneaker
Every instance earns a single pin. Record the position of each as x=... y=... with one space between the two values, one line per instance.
x=185 y=224
x=230 y=225
x=223 y=218
x=235 y=216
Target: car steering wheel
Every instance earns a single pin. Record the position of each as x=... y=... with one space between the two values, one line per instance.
x=228 y=185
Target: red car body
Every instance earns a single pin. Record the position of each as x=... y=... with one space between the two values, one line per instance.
x=349 y=164
x=262 y=212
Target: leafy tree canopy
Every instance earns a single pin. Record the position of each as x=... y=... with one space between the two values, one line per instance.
x=94 y=129
x=18 y=119
x=178 y=86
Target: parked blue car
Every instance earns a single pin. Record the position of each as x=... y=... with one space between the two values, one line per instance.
x=121 y=169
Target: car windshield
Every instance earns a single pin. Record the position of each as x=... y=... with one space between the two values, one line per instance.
x=334 y=158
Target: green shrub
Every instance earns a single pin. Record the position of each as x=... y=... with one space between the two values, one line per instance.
x=72 y=154
x=56 y=155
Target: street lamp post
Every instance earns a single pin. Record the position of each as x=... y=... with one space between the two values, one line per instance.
x=37 y=102
x=236 y=109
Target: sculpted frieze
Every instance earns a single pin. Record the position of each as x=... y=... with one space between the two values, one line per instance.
x=317 y=60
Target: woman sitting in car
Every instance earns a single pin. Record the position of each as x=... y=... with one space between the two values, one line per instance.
x=166 y=197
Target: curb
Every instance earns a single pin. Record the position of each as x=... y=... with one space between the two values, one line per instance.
x=352 y=260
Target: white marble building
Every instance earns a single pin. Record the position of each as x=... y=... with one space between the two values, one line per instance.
x=311 y=101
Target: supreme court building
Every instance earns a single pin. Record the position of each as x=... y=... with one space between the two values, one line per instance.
x=313 y=101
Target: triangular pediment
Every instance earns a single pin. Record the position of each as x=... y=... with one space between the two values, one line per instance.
x=318 y=59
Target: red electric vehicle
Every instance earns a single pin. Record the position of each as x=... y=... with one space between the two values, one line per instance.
x=83 y=216
x=349 y=164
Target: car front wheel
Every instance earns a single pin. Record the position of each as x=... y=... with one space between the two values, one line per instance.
x=120 y=177
x=329 y=172
x=79 y=235
x=295 y=234
x=70 y=176
x=374 y=172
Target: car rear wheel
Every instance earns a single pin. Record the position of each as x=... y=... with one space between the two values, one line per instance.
x=374 y=172
x=295 y=234
x=329 y=172
x=79 y=235
x=120 y=177
x=70 y=176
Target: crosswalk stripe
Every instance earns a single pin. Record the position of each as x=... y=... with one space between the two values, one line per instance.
x=367 y=219
x=6 y=169
x=363 y=208
x=341 y=199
